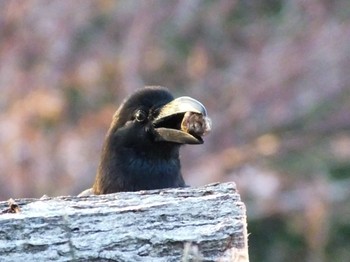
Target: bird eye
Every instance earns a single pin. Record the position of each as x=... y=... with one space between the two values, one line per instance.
x=140 y=116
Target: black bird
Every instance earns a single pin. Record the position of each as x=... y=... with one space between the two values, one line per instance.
x=141 y=148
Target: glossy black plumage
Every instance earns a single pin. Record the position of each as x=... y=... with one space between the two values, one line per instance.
x=141 y=148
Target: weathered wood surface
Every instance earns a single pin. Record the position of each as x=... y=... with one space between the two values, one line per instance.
x=190 y=224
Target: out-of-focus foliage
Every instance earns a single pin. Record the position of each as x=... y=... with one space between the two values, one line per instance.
x=274 y=76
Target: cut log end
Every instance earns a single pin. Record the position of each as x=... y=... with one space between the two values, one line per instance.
x=186 y=224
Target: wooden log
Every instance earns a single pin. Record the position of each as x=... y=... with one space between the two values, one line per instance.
x=188 y=224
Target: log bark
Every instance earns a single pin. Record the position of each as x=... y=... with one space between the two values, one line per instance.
x=188 y=224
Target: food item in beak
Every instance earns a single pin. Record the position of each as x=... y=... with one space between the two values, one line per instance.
x=196 y=124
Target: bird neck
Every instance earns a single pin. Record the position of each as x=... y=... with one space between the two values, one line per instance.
x=133 y=169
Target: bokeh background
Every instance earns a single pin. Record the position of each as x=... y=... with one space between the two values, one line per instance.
x=273 y=74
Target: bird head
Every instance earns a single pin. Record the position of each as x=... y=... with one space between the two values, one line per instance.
x=152 y=116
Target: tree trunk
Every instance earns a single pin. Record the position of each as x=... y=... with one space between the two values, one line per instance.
x=188 y=224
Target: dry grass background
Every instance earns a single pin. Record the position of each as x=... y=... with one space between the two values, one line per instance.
x=274 y=76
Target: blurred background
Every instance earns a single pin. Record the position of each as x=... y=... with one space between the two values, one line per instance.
x=274 y=76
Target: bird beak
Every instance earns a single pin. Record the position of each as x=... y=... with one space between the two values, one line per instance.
x=169 y=123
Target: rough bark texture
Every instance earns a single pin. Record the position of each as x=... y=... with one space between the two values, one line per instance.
x=189 y=224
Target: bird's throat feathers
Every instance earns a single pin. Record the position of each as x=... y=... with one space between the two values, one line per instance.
x=133 y=169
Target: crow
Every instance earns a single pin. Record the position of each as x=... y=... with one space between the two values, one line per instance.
x=141 y=148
